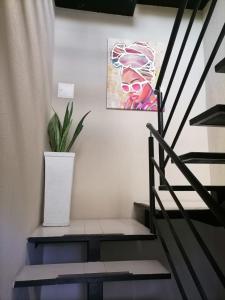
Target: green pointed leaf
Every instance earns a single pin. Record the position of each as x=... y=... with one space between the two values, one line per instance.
x=77 y=131
x=57 y=138
x=51 y=132
x=63 y=143
x=71 y=111
x=65 y=120
x=57 y=122
x=59 y=134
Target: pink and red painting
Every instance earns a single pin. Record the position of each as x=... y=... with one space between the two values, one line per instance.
x=133 y=69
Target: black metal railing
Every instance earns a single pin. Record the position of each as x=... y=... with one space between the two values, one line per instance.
x=165 y=149
x=194 y=54
x=214 y=206
x=171 y=42
x=199 y=86
x=170 y=260
x=187 y=33
x=195 y=183
x=182 y=249
x=203 y=193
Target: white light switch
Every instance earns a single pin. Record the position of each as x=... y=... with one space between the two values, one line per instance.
x=65 y=90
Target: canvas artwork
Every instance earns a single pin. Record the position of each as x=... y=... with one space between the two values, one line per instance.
x=133 y=69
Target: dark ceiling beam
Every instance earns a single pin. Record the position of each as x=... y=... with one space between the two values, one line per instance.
x=172 y=3
x=122 y=7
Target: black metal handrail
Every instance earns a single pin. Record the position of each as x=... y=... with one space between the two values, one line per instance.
x=151 y=183
x=159 y=135
x=194 y=54
x=160 y=130
x=190 y=224
x=195 y=183
x=206 y=197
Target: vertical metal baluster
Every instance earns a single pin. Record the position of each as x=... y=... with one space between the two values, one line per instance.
x=160 y=130
x=151 y=185
x=171 y=42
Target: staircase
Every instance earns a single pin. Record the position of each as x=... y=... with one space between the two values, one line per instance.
x=211 y=210
x=94 y=270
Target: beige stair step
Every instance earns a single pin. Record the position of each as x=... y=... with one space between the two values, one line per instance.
x=85 y=229
x=38 y=275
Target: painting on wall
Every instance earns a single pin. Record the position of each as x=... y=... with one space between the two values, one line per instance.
x=133 y=69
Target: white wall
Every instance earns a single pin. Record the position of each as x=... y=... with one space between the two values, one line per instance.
x=215 y=87
x=26 y=39
x=111 y=169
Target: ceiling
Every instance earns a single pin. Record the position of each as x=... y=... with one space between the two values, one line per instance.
x=122 y=7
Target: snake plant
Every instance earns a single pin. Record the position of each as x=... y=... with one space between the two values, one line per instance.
x=59 y=138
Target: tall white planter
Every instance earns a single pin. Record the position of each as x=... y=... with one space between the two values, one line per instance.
x=58 y=188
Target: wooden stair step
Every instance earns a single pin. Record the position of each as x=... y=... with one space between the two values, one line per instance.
x=203 y=158
x=215 y=116
x=220 y=67
x=38 y=275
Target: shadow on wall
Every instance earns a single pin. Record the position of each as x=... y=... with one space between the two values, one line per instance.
x=93 y=17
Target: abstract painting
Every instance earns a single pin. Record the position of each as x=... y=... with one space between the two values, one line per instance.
x=133 y=69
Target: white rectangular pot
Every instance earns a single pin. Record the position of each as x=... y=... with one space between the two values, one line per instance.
x=58 y=188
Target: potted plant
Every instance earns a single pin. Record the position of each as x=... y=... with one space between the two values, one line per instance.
x=59 y=165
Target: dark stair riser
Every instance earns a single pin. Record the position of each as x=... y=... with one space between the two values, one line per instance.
x=218 y=192
x=93 y=242
x=220 y=67
x=214 y=117
x=203 y=158
x=204 y=216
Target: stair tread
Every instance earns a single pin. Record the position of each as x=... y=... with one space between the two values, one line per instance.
x=33 y=275
x=190 y=188
x=197 y=210
x=220 y=67
x=215 y=116
x=170 y=205
x=82 y=230
x=203 y=157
